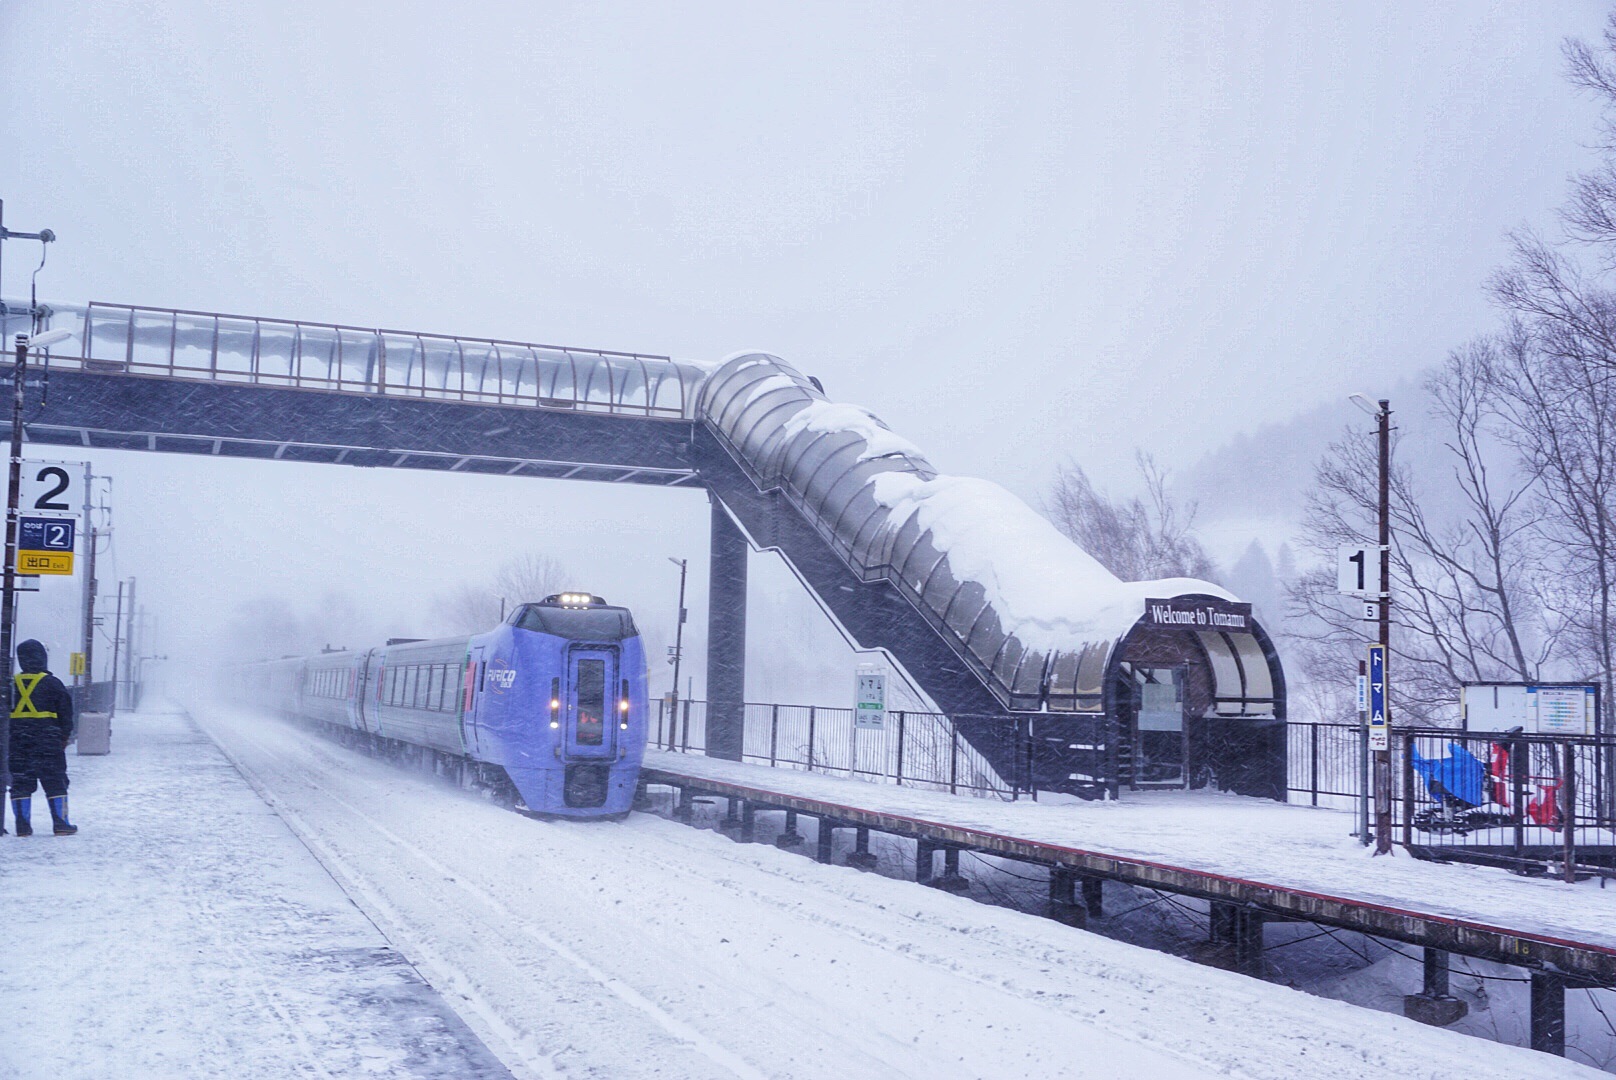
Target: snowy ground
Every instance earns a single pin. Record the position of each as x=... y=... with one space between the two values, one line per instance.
x=1255 y=839
x=187 y=932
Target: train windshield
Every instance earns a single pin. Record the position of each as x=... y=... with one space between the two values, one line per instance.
x=591 y=689
x=578 y=624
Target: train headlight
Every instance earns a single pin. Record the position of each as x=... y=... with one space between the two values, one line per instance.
x=624 y=725
x=555 y=724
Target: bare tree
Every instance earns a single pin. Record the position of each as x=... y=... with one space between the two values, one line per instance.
x=1559 y=373
x=471 y=609
x=1467 y=583
x=1137 y=540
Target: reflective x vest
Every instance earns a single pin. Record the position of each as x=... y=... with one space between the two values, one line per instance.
x=24 y=708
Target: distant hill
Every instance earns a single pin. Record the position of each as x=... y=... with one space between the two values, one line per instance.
x=1257 y=482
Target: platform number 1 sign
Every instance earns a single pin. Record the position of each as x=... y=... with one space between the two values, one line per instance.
x=1354 y=567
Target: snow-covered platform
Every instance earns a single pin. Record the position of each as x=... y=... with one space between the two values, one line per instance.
x=1290 y=861
x=185 y=931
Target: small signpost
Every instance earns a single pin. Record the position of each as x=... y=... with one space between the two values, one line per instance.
x=869 y=708
x=45 y=545
x=1378 y=732
x=870 y=699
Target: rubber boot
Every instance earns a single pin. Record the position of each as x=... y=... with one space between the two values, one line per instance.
x=22 y=810
x=58 y=809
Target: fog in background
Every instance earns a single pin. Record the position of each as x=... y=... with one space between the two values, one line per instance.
x=1019 y=234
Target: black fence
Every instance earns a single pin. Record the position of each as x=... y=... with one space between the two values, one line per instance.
x=1325 y=764
x=1515 y=800
x=912 y=748
x=1528 y=802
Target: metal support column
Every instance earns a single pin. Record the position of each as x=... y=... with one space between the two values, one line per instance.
x=826 y=838
x=791 y=838
x=1435 y=1004
x=952 y=880
x=726 y=637
x=1240 y=931
x=860 y=858
x=1093 y=896
x=924 y=862
x=731 y=821
x=1063 y=905
x=1548 y=1012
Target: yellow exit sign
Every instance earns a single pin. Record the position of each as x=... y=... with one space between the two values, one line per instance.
x=45 y=562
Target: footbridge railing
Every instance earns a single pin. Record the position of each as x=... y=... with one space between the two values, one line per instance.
x=333 y=357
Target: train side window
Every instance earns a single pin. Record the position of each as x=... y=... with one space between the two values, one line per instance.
x=445 y=700
x=417 y=687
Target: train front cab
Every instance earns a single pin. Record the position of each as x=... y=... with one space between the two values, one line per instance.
x=562 y=705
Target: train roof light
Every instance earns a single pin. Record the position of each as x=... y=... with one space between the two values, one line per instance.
x=575 y=599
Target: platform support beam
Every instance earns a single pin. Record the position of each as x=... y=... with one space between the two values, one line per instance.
x=731 y=822
x=726 y=637
x=826 y=838
x=791 y=838
x=1241 y=930
x=860 y=857
x=748 y=821
x=1548 y=1012
x=1435 y=1004
x=924 y=863
x=1063 y=905
x=952 y=880
x=1094 y=896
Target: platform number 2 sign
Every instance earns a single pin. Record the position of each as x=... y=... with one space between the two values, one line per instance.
x=52 y=489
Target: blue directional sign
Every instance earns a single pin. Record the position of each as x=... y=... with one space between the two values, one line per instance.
x=1378 y=732
x=45 y=534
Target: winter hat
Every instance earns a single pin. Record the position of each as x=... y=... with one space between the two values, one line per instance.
x=31 y=655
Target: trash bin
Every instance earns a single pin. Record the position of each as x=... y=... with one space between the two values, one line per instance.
x=95 y=733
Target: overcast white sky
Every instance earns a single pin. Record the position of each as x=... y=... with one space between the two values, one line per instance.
x=1014 y=231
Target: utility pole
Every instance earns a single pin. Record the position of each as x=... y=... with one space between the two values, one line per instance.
x=678 y=651
x=117 y=632
x=87 y=677
x=8 y=602
x=1383 y=757
x=129 y=651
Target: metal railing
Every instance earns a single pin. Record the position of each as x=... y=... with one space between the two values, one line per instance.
x=1528 y=802
x=217 y=347
x=913 y=749
x=1521 y=801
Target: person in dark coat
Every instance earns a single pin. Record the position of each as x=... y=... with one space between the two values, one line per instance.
x=41 y=728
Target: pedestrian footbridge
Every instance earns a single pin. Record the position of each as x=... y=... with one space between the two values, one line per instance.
x=984 y=606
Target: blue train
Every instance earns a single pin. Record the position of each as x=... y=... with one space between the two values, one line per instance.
x=548 y=709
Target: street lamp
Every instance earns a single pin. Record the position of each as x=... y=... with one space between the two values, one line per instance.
x=678 y=649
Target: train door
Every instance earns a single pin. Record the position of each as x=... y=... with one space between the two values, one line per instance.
x=591 y=703
x=365 y=692
x=1158 y=729
x=471 y=700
